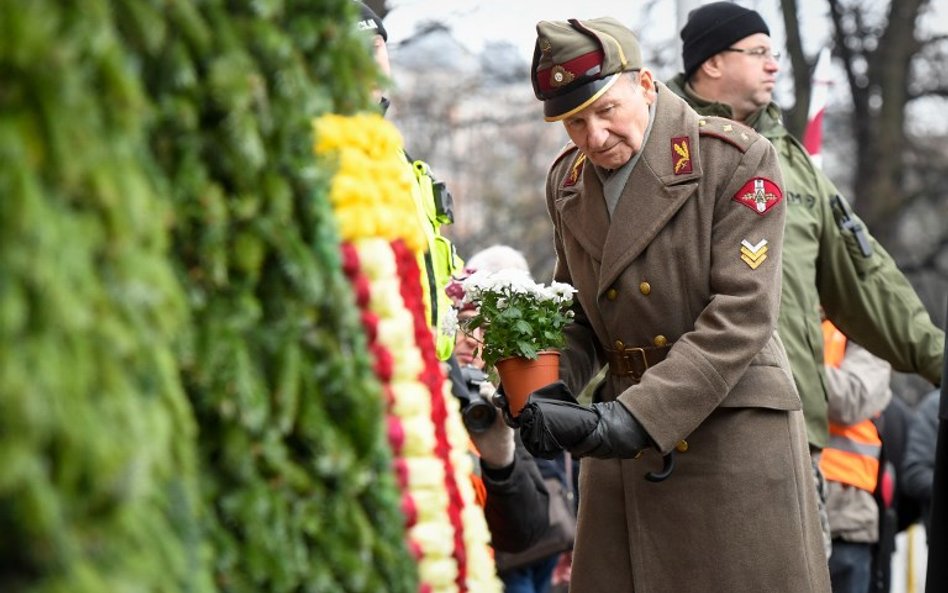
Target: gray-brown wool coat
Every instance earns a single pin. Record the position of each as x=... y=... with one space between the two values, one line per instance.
x=739 y=513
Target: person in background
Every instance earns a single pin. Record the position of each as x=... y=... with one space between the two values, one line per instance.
x=434 y=204
x=858 y=387
x=897 y=510
x=694 y=472
x=918 y=466
x=514 y=495
x=518 y=576
x=830 y=259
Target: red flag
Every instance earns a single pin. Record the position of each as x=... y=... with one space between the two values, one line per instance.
x=819 y=92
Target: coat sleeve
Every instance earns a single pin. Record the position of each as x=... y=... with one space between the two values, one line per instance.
x=859 y=388
x=740 y=317
x=871 y=301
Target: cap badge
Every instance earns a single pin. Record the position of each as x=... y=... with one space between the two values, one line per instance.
x=681 y=154
x=753 y=255
x=545 y=45
x=560 y=76
x=575 y=170
x=759 y=194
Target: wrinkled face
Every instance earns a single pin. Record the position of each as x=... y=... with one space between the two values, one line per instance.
x=465 y=344
x=748 y=79
x=610 y=131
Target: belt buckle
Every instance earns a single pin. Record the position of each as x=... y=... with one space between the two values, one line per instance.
x=627 y=359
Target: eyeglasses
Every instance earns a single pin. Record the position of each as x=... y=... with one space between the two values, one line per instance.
x=757 y=52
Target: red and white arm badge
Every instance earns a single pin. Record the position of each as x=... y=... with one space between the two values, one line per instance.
x=759 y=194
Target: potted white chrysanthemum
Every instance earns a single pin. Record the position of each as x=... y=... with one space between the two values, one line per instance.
x=522 y=323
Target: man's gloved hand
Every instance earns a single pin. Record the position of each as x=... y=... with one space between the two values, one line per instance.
x=496 y=444
x=553 y=420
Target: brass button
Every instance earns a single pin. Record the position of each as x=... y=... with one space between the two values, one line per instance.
x=660 y=340
x=682 y=446
x=619 y=345
x=611 y=294
x=645 y=288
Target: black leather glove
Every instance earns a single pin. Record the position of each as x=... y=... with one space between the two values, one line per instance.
x=553 y=420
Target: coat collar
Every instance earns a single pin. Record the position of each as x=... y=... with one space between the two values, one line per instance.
x=582 y=209
x=652 y=195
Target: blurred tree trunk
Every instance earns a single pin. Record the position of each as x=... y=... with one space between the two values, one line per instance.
x=876 y=54
x=877 y=60
x=795 y=117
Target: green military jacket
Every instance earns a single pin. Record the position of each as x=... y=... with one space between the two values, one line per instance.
x=867 y=298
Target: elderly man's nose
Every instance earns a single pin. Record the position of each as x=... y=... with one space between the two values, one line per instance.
x=597 y=134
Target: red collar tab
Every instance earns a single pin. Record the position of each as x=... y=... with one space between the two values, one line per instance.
x=681 y=154
x=574 y=171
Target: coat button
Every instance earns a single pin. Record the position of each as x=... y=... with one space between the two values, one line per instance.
x=645 y=288
x=682 y=446
x=611 y=294
x=660 y=340
x=619 y=345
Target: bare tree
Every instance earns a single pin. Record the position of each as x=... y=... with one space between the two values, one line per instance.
x=884 y=54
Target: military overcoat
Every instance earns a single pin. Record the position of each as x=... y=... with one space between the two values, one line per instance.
x=691 y=258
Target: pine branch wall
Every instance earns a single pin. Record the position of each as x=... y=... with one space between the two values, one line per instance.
x=186 y=399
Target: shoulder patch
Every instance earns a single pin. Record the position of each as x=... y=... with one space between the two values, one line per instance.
x=759 y=194
x=732 y=132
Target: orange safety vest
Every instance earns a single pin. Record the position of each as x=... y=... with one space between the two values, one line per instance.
x=852 y=455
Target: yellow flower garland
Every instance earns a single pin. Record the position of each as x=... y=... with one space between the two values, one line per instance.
x=371 y=190
x=371 y=195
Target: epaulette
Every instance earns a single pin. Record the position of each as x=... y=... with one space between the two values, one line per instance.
x=728 y=130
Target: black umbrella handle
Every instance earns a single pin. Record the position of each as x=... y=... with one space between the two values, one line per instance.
x=668 y=466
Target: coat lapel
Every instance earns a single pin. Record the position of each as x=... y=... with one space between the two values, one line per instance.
x=654 y=191
x=583 y=211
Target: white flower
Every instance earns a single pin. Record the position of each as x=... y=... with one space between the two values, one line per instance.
x=519 y=317
x=449 y=322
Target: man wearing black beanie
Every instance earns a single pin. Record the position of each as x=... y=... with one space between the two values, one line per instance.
x=712 y=29
x=829 y=259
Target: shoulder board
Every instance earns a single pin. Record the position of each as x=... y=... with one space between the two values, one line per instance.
x=732 y=132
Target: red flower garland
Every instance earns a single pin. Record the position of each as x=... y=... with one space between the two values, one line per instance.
x=433 y=378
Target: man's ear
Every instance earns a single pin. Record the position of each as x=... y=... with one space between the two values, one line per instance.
x=713 y=67
x=647 y=83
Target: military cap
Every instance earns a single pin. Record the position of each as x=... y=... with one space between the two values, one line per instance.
x=575 y=62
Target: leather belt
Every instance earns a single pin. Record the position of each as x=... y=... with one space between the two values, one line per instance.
x=629 y=361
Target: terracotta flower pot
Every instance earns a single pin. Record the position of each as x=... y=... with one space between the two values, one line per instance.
x=522 y=376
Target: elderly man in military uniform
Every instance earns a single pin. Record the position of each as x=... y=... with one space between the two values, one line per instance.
x=670 y=226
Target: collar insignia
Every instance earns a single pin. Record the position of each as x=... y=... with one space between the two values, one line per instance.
x=575 y=170
x=681 y=155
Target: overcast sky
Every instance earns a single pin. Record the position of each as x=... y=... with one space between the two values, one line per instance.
x=474 y=22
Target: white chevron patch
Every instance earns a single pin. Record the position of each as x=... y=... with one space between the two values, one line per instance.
x=754 y=248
